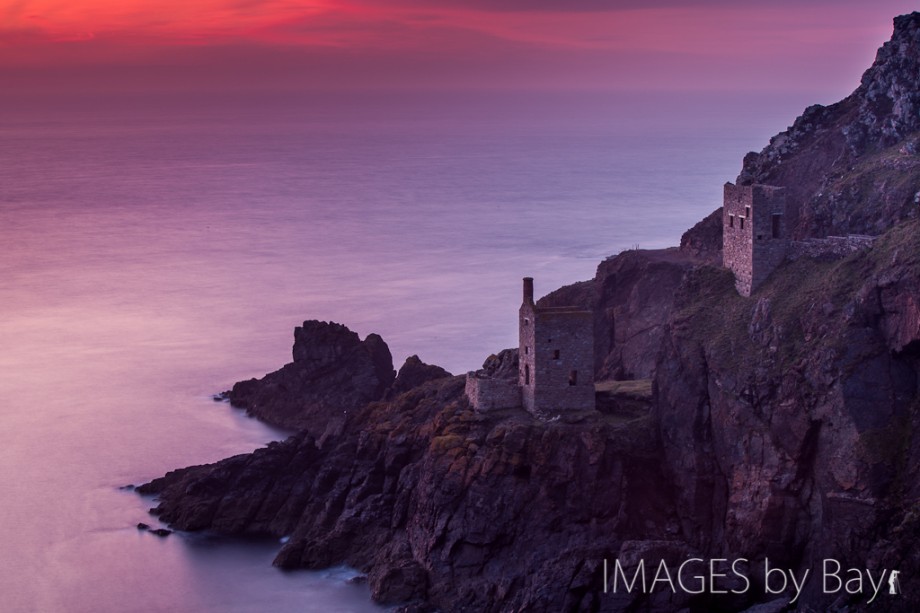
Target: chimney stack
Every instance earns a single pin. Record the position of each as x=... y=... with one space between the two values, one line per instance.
x=528 y=290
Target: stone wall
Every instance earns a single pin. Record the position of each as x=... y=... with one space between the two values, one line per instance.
x=562 y=358
x=488 y=394
x=755 y=233
x=830 y=247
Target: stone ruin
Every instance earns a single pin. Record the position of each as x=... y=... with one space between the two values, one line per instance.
x=755 y=236
x=555 y=363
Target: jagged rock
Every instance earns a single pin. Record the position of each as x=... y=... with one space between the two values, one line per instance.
x=632 y=296
x=502 y=365
x=437 y=503
x=704 y=240
x=413 y=373
x=852 y=167
x=333 y=371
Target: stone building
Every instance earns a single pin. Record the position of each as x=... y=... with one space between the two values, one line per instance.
x=555 y=356
x=754 y=233
x=555 y=363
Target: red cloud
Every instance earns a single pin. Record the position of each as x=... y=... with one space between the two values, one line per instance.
x=508 y=43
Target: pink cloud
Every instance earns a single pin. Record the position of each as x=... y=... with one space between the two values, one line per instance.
x=661 y=44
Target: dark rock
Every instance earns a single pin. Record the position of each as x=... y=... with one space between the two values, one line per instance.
x=852 y=167
x=704 y=240
x=790 y=422
x=503 y=365
x=424 y=496
x=161 y=532
x=632 y=297
x=333 y=371
x=781 y=428
x=414 y=373
x=399 y=579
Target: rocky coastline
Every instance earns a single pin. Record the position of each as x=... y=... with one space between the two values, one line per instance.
x=782 y=429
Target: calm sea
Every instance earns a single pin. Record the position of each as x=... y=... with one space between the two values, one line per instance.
x=153 y=250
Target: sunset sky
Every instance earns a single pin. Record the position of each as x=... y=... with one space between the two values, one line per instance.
x=815 y=46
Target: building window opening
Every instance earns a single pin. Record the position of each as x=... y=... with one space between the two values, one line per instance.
x=573 y=377
x=555 y=354
x=526 y=350
x=760 y=237
x=526 y=322
x=731 y=221
x=776 y=226
x=747 y=212
x=527 y=374
x=741 y=219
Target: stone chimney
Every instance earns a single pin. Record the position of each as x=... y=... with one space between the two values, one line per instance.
x=528 y=290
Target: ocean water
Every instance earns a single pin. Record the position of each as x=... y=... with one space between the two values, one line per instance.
x=154 y=250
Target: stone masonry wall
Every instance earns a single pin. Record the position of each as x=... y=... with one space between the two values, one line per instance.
x=832 y=246
x=527 y=365
x=737 y=236
x=488 y=394
x=563 y=359
x=754 y=233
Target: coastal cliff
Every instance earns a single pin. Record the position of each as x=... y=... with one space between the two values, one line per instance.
x=782 y=427
x=853 y=167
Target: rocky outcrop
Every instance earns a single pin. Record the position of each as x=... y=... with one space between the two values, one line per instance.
x=502 y=365
x=853 y=167
x=632 y=296
x=333 y=371
x=413 y=373
x=441 y=505
x=704 y=240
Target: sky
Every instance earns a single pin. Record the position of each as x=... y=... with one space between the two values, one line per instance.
x=631 y=45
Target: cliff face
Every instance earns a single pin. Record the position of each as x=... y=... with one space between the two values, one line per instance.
x=854 y=166
x=789 y=421
x=632 y=297
x=441 y=505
